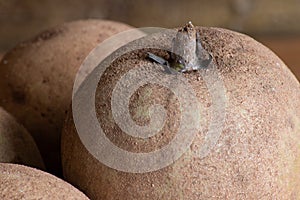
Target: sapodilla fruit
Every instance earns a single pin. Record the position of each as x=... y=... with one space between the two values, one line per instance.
x=256 y=155
x=37 y=76
x=21 y=182
x=16 y=144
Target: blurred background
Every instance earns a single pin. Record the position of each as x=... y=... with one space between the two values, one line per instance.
x=275 y=23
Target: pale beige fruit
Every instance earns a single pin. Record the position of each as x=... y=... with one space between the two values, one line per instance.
x=257 y=154
x=16 y=144
x=36 y=79
x=21 y=182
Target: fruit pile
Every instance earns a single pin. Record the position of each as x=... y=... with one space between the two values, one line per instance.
x=257 y=155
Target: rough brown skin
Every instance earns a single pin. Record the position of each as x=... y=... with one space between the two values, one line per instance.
x=36 y=79
x=16 y=144
x=256 y=157
x=20 y=182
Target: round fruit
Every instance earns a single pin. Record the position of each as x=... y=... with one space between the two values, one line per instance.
x=36 y=79
x=20 y=182
x=255 y=157
x=16 y=144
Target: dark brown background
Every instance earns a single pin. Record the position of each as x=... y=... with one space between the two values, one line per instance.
x=276 y=23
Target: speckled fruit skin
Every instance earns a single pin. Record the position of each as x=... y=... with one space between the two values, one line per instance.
x=21 y=182
x=16 y=144
x=36 y=79
x=256 y=157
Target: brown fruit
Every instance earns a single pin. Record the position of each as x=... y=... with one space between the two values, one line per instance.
x=20 y=182
x=16 y=144
x=36 y=79
x=256 y=156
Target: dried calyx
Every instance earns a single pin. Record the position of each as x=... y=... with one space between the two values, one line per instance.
x=187 y=53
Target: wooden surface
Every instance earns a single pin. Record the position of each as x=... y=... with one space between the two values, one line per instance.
x=287 y=48
x=21 y=19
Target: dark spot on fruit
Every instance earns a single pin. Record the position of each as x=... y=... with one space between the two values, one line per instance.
x=19 y=97
x=46 y=35
x=291 y=123
x=45 y=80
x=43 y=114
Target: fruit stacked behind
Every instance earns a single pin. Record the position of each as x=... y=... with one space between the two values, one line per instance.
x=37 y=79
x=36 y=87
